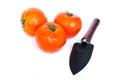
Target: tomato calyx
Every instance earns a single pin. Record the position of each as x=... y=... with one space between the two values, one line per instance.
x=69 y=14
x=22 y=21
x=51 y=28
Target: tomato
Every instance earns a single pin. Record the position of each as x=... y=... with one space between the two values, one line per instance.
x=50 y=37
x=70 y=22
x=31 y=19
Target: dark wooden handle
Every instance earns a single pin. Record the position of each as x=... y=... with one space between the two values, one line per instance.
x=91 y=30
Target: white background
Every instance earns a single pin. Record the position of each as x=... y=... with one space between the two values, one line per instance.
x=21 y=59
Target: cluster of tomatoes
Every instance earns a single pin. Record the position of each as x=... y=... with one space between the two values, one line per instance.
x=50 y=36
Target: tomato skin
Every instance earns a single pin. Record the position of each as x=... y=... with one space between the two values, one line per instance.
x=31 y=19
x=50 y=39
x=70 y=22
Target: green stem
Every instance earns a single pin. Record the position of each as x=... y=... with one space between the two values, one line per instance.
x=23 y=22
x=69 y=14
x=52 y=28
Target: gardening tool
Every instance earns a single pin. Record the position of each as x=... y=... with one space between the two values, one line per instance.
x=81 y=52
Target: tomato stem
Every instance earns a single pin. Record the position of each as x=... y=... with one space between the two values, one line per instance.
x=22 y=22
x=69 y=14
x=52 y=28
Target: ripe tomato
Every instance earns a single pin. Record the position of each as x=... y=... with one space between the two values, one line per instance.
x=31 y=19
x=70 y=22
x=50 y=37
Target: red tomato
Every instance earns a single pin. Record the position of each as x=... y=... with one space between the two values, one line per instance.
x=70 y=22
x=31 y=19
x=50 y=37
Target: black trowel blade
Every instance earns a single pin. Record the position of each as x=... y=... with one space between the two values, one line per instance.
x=80 y=56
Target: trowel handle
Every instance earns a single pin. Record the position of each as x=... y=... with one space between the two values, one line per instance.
x=91 y=30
